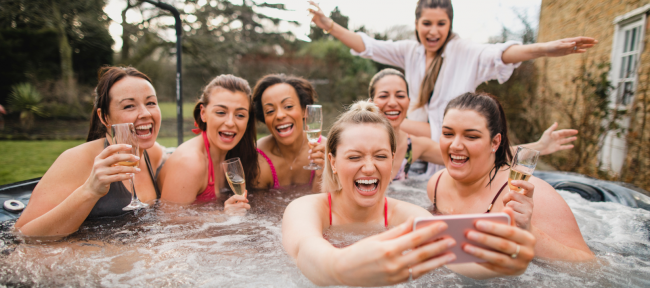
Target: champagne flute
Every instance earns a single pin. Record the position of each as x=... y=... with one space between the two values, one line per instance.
x=523 y=165
x=125 y=134
x=313 y=124
x=235 y=175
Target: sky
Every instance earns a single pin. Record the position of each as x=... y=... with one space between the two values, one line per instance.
x=473 y=19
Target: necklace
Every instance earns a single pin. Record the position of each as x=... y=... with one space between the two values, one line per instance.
x=294 y=158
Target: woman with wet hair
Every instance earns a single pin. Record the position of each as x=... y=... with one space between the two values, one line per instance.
x=440 y=66
x=85 y=181
x=361 y=146
x=224 y=118
x=475 y=148
x=280 y=102
x=389 y=91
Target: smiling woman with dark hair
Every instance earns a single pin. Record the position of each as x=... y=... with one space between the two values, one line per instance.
x=85 y=181
x=224 y=117
x=280 y=102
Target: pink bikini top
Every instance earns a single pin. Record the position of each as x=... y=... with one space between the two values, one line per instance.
x=329 y=202
x=276 y=181
x=207 y=194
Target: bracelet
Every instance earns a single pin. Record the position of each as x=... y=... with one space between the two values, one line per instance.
x=330 y=30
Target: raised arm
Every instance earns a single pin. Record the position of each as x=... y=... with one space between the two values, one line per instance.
x=346 y=36
x=416 y=128
x=553 y=141
x=562 y=47
x=68 y=191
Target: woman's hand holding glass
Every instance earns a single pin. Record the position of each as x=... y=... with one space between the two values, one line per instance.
x=513 y=248
x=106 y=169
x=237 y=205
x=317 y=155
x=386 y=258
x=521 y=202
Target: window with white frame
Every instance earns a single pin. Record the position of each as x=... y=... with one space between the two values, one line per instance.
x=626 y=52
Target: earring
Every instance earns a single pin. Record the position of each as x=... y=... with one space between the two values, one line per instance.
x=333 y=171
x=493 y=150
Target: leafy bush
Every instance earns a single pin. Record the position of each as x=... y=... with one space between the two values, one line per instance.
x=26 y=100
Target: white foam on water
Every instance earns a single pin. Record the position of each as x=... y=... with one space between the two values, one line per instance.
x=202 y=247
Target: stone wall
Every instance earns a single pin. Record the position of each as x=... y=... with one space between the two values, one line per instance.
x=594 y=18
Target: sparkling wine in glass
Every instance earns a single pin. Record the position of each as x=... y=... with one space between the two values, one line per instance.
x=125 y=134
x=235 y=175
x=523 y=165
x=313 y=124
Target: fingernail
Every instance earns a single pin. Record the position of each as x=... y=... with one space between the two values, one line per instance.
x=470 y=249
x=471 y=235
x=309 y=151
x=137 y=169
x=128 y=145
x=451 y=243
x=482 y=225
x=309 y=157
x=450 y=258
x=137 y=157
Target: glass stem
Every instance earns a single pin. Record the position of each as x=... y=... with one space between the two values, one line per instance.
x=133 y=196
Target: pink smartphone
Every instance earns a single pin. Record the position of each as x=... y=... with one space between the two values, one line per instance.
x=457 y=228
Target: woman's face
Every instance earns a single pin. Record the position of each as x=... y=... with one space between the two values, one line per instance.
x=363 y=163
x=282 y=113
x=133 y=100
x=466 y=145
x=226 y=116
x=392 y=99
x=433 y=28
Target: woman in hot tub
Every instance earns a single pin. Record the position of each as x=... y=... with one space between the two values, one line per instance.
x=361 y=146
x=84 y=181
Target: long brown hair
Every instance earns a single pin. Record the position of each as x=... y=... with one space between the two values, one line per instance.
x=245 y=149
x=107 y=76
x=361 y=112
x=489 y=107
x=431 y=76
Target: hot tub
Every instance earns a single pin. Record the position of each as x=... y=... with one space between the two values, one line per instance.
x=199 y=246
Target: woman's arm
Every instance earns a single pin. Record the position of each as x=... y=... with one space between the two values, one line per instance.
x=552 y=141
x=562 y=47
x=427 y=150
x=346 y=36
x=374 y=261
x=416 y=128
x=67 y=192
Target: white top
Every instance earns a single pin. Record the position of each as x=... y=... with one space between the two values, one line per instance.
x=465 y=66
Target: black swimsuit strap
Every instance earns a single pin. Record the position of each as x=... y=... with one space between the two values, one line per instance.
x=435 y=194
x=149 y=168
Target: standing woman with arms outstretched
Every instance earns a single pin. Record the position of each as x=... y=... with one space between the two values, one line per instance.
x=85 y=181
x=440 y=66
x=193 y=173
x=280 y=101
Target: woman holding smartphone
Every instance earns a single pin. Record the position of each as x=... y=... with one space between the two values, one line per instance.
x=389 y=91
x=86 y=181
x=361 y=146
x=475 y=148
x=280 y=101
x=193 y=173
x=440 y=66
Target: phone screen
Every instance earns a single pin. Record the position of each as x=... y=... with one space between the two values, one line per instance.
x=457 y=228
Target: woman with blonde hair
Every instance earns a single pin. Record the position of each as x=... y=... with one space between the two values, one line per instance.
x=361 y=145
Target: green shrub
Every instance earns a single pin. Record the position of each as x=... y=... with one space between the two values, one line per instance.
x=26 y=100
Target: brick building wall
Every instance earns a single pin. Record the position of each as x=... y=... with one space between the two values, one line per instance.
x=594 y=18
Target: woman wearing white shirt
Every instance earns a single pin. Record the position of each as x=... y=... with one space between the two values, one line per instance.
x=440 y=66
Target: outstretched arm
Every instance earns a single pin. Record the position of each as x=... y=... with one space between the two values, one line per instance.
x=346 y=36
x=562 y=47
x=553 y=141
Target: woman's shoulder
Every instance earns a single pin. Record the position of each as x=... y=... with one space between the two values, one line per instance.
x=265 y=143
x=189 y=154
x=312 y=202
x=82 y=153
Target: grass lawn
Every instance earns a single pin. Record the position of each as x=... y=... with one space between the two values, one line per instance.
x=168 y=110
x=22 y=160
